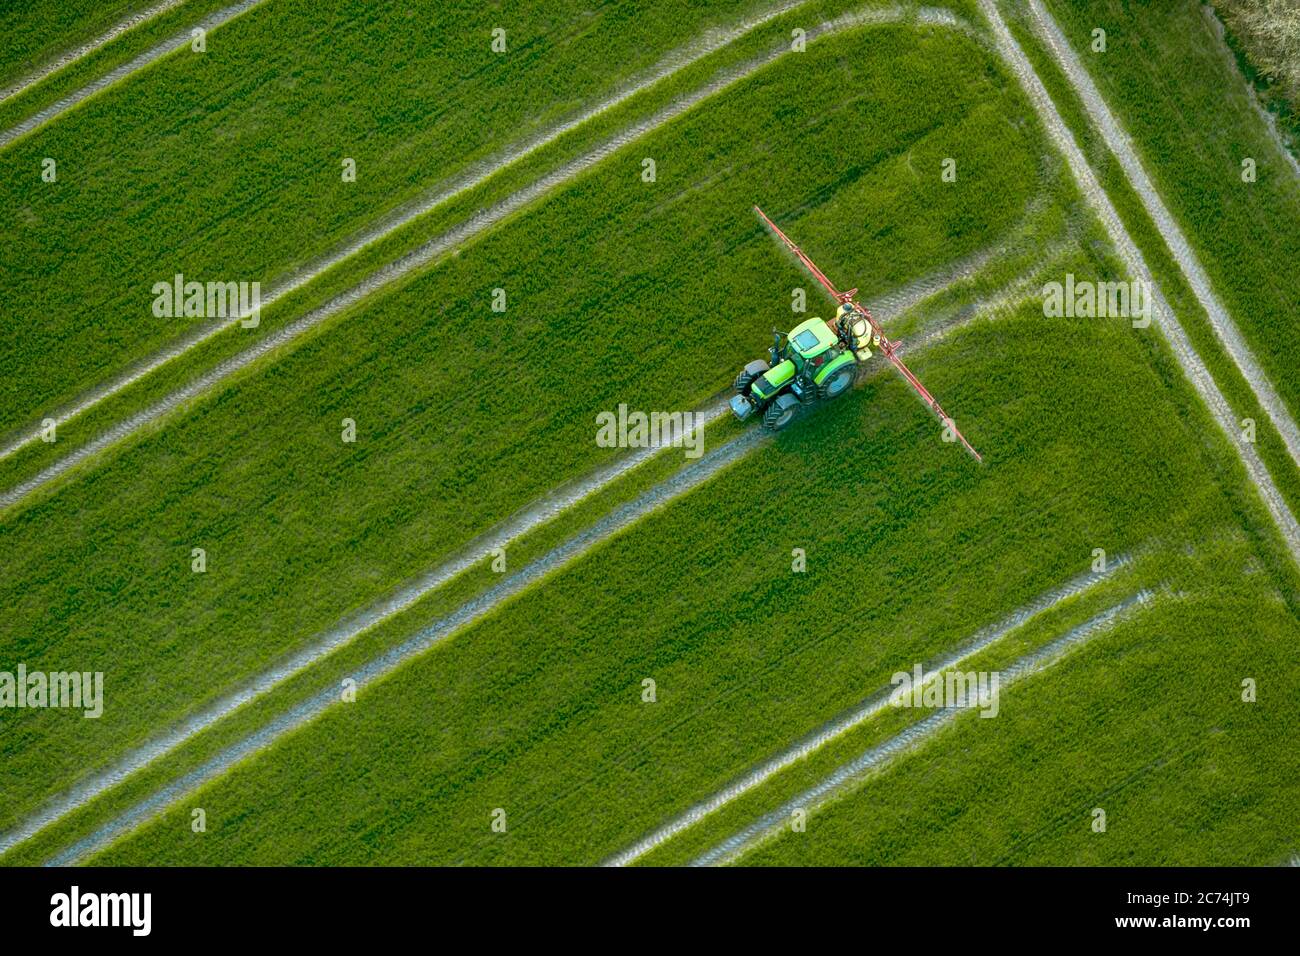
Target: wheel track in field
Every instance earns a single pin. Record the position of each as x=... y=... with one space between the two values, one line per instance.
x=477 y=174
x=468 y=614
x=1121 y=145
x=1188 y=358
x=116 y=75
x=511 y=530
x=908 y=296
x=67 y=58
x=843 y=779
x=473 y=553
x=874 y=705
x=425 y=254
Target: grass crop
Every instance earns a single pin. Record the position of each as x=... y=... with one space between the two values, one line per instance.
x=118 y=52
x=538 y=710
x=227 y=165
x=1193 y=138
x=39 y=31
x=259 y=476
x=1092 y=437
x=1146 y=723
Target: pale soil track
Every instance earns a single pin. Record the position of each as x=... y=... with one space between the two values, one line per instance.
x=847 y=775
x=868 y=709
x=434 y=249
x=517 y=526
x=144 y=60
x=476 y=175
x=69 y=57
x=1121 y=145
x=657 y=497
x=1193 y=366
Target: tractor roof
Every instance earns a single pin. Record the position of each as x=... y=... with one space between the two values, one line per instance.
x=811 y=338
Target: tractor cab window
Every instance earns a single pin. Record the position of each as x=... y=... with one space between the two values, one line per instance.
x=806 y=340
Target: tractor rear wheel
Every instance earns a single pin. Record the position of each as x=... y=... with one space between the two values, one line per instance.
x=838 y=382
x=781 y=412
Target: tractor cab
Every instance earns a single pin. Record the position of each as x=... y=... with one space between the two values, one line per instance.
x=810 y=339
x=813 y=364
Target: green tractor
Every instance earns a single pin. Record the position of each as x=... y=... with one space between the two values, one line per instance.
x=818 y=361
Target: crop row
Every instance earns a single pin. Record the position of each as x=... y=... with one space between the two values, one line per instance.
x=538 y=710
x=464 y=414
x=1195 y=138
x=227 y=165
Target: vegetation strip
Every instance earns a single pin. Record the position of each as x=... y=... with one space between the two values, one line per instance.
x=430 y=251
x=873 y=705
x=767 y=826
x=1191 y=362
x=1119 y=142
x=681 y=483
x=347 y=631
x=142 y=61
x=72 y=56
x=672 y=64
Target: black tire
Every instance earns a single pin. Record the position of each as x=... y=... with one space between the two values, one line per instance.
x=781 y=412
x=746 y=376
x=838 y=382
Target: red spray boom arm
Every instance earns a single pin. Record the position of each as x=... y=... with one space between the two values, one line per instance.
x=886 y=346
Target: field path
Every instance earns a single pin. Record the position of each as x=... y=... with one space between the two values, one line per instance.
x=144 y=60
x=512 y=529
x=871 y=707
x=72 y=56
x=477 y=174
x=1191 y=362
x=425 y=254
x=623 y=517
x=772 y=823
x=1121 y=145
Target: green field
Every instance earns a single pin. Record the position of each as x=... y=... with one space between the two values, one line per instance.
x=1247 y=235
x=41 y=30
x=256 y=601
x=650 y=294
x=270 y=92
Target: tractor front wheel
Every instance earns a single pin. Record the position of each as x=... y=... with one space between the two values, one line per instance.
x=838 y=382
x=747 y=375
x=781 y=412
